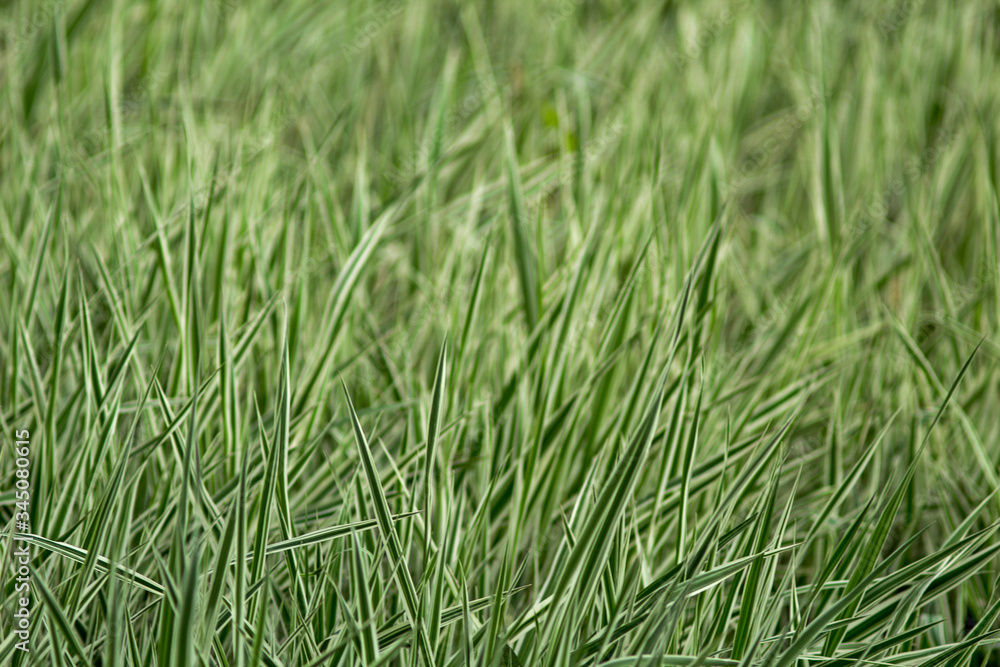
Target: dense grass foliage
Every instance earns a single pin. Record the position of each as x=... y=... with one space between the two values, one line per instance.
x=580 y=332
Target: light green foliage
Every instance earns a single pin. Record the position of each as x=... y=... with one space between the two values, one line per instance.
x=568 y=333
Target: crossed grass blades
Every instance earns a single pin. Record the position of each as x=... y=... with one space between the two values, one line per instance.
x=538 y=399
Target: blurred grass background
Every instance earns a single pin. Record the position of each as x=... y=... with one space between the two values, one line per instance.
x=705 y=223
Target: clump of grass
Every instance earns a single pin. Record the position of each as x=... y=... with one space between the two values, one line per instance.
x=676 y=346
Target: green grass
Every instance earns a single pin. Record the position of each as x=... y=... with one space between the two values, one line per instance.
x=580 y=332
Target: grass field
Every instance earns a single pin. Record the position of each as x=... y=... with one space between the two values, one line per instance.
x=580 y=332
